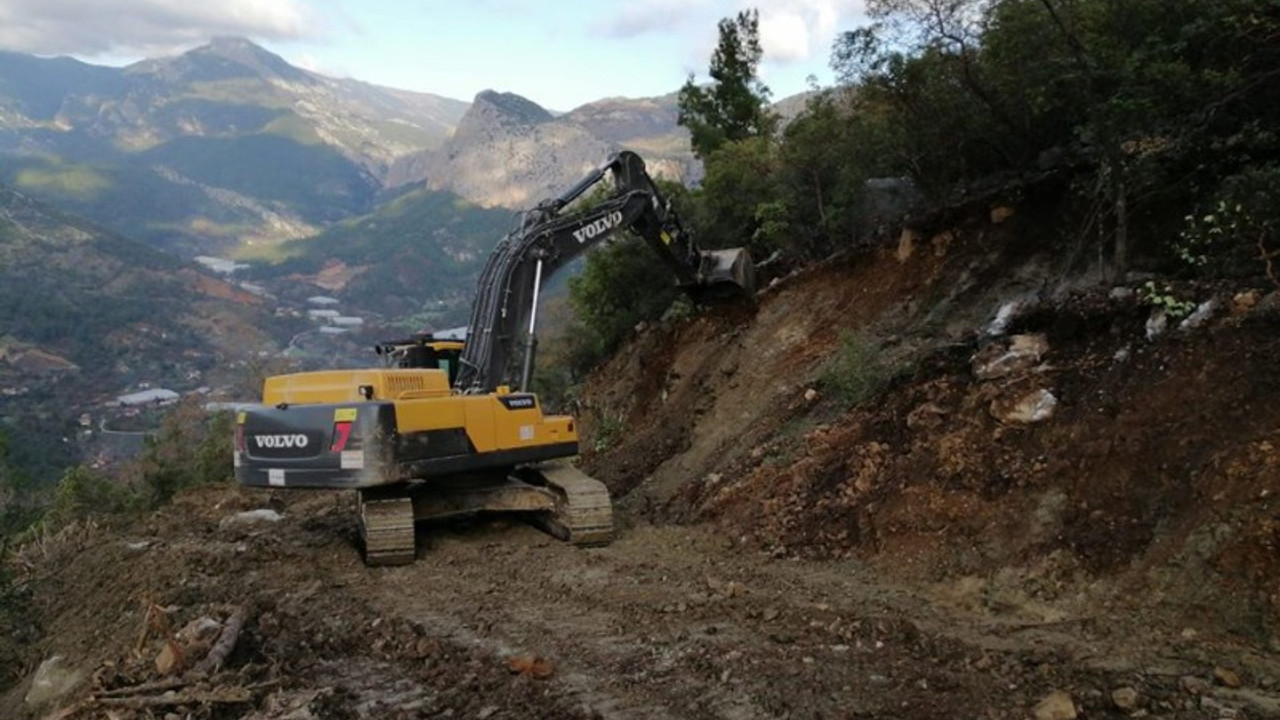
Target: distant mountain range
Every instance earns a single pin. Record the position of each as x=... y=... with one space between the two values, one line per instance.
x=227 y=146
x=223 y=146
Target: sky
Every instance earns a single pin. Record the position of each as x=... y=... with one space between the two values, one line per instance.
x=560 y=54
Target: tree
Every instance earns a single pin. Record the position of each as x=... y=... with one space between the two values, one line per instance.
x=735 y=106
x=623 y=284
x=1143 y=105
x=17 y=505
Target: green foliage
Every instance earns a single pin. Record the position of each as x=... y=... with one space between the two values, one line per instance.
x=190 y=449
x=82 y=492
x=740 y=177
x=623 y=284
x=422 y=252
x=857 y=371
x=1163 y=297
x=1141 y=108
x=1239 y=228
x=82 y=183
x=608 y=427
x=735 y=106
x=18 y=502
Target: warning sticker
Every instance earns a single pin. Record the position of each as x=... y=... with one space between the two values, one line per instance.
x=275 y=477
x=344 y=415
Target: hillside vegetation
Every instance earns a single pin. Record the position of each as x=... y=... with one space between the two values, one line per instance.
x=413 y=260
x=1144 y=130
x=87 y=314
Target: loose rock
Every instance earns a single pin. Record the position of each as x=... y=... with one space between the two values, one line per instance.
x=1057 y=705
x=53 y=680
x=1194 y=685
x=1226 y=678
x=1125 y=698
x=251 y=517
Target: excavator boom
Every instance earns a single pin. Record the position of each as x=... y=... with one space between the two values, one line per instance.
x=548 y=237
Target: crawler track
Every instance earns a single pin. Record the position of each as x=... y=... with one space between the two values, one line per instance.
x=584 y=513
x=386 y=526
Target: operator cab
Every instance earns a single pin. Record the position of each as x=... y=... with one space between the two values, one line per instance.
x=423 y=350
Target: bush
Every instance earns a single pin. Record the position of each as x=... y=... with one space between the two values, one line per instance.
x=191 y=448
x=857 y=371
x=1237 y=232
x=81 y=492
x=623 y=284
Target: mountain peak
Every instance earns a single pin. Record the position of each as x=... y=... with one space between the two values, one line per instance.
x=224 y=58
x=510 y=108
x=250 y=55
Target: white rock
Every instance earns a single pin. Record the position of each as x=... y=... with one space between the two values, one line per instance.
x=53 y=681
x=1030 y=408
x=1203 y=312
x=997 y=360
x=1157 y=324
x=252 y=517
x=1004 y=316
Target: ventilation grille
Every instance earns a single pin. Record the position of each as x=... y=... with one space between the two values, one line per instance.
x=404 y=384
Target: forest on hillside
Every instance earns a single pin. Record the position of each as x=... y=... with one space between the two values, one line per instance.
x=1143 y=131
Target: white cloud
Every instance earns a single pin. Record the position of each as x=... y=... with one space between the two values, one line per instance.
x=656 y=16
x=100 y=27
x=784 y=37
x=796 y=30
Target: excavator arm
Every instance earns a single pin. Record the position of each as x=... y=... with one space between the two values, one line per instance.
x=501 y=342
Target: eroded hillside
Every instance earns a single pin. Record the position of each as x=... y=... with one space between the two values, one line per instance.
x=1078 y=461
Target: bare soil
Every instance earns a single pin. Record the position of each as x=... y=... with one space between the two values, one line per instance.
x=780 y=553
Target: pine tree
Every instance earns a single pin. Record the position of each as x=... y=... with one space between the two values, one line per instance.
x=735 y=105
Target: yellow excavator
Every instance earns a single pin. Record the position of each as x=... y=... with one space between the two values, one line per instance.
x=448 y=427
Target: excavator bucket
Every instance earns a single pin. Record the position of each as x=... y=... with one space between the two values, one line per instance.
x=722 y=271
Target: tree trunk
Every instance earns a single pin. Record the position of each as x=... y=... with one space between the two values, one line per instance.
x=1120 y=262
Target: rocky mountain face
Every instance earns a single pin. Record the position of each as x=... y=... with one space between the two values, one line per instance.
x=224 y=145
x=509 y=151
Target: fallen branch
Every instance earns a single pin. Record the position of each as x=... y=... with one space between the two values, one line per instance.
x=142 y=688
x=226 y=642
x=230 y=696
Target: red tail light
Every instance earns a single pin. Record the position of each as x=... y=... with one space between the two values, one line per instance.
x=240 y=444
x=341 y=433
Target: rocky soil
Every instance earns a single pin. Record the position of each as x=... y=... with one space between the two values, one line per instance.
x=1068 y=514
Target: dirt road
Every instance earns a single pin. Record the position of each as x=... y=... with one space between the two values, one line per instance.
x=496 y=620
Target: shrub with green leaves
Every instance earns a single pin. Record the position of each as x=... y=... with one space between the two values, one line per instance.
x=858 y=369
x=1238 y=230
x=191 y=448
x=82 y=492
